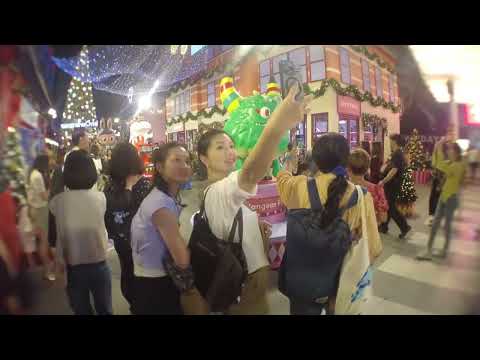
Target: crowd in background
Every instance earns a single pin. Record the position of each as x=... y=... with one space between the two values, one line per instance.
x=78 y=202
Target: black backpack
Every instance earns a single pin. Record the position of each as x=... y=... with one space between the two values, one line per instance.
x=313 y=255
x=219 y=266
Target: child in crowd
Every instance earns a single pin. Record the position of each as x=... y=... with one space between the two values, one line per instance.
x=358 y=165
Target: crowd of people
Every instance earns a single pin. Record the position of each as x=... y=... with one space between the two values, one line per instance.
x=70 y=217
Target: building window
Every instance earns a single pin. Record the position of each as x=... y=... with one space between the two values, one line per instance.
x=181 y=103
x=378 y=80
x=276 y=67
x=317 y=63
x=319 y=125
x=211 y=94
x=366 y=75
x=390 y=88
x=348 y=127
x=264 y=75
x=299 y=58
x=345 y=66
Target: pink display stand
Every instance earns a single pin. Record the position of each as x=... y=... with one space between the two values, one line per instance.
x=269 y=208
x=422 y=176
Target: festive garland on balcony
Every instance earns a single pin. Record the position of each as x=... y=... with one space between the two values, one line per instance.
x=373 y=121
x=350 y=90
x=372 y=56
x=202 y=113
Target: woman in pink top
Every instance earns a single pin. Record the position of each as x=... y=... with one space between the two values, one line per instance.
x=358 y=165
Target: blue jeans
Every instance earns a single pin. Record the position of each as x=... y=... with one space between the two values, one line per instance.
x=444 y=209
x=86 y=279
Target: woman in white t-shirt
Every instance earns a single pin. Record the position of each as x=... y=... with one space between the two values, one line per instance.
x=230 y=189
x=38 y=203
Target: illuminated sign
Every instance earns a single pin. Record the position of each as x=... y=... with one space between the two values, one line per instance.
x=86 y=124
x=472 y=115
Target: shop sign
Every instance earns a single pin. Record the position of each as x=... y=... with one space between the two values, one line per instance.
x=348 y=106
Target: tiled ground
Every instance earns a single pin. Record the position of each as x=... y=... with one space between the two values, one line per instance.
x=402 y=285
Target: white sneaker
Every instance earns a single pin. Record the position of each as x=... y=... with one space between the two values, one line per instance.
x=51 y=276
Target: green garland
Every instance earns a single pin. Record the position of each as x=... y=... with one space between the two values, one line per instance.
x=202 y=113
x=374 y=121
x=352 y=91
x=372 y=56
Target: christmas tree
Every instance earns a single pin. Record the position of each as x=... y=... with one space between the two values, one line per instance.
x=408 y=195
x=416 y=152
x=79 y=105
x=14 y=168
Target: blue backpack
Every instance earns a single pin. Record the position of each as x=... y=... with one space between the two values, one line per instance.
x=313 y=255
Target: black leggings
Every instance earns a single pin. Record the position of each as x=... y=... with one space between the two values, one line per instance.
x=156 y=296
x=124 y=252
x=393 y=213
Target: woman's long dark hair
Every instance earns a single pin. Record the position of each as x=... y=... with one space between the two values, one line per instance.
x=41 y=164
x=329 y=151
x=160 y=156
x=124 y=162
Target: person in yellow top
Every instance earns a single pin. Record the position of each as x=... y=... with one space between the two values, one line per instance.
x=454 y=171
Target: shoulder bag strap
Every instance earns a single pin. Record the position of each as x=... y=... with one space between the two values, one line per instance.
x=315 y=202
x=202 y=205
x=237 y=220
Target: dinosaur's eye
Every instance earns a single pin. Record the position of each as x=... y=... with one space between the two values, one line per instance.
x=264 y=112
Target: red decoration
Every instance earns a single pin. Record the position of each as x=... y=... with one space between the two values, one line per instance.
x=8 y=53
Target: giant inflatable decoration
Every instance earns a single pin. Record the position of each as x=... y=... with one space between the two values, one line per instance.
x=248 y=117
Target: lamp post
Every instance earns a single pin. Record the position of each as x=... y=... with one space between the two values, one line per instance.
x=453 y=123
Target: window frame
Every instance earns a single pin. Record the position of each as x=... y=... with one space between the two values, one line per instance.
x=311 y=63
x=366 y=76
x=378 y=82
x=212 y=83
x=343 y=51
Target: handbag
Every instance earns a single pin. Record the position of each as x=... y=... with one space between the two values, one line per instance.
x=355 y=283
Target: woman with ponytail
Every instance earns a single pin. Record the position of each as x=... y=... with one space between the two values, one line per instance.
x=156 y=237
x=330 y=154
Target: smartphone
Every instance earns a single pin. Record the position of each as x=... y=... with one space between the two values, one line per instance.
x=290 y=75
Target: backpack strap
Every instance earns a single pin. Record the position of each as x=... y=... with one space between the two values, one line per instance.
x=353 y=200
x=315 y=202
x=237 y=220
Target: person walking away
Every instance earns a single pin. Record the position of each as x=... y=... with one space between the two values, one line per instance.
x=376 y=163
x=392 y=178
x=358 y=165
x=454 y=170
x=338 y=198
x=124 y=193
x=229 y=189
x=438 y=179
x=38 y=202
x=156 y=235
x=82 y=237
x=473 y=161
x=80 y=141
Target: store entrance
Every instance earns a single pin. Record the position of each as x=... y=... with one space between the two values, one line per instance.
x=348 y=127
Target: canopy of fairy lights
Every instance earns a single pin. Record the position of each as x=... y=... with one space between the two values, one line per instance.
x=133 y=70
x=457 y=62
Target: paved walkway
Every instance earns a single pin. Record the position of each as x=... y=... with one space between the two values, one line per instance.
x=402 y=285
